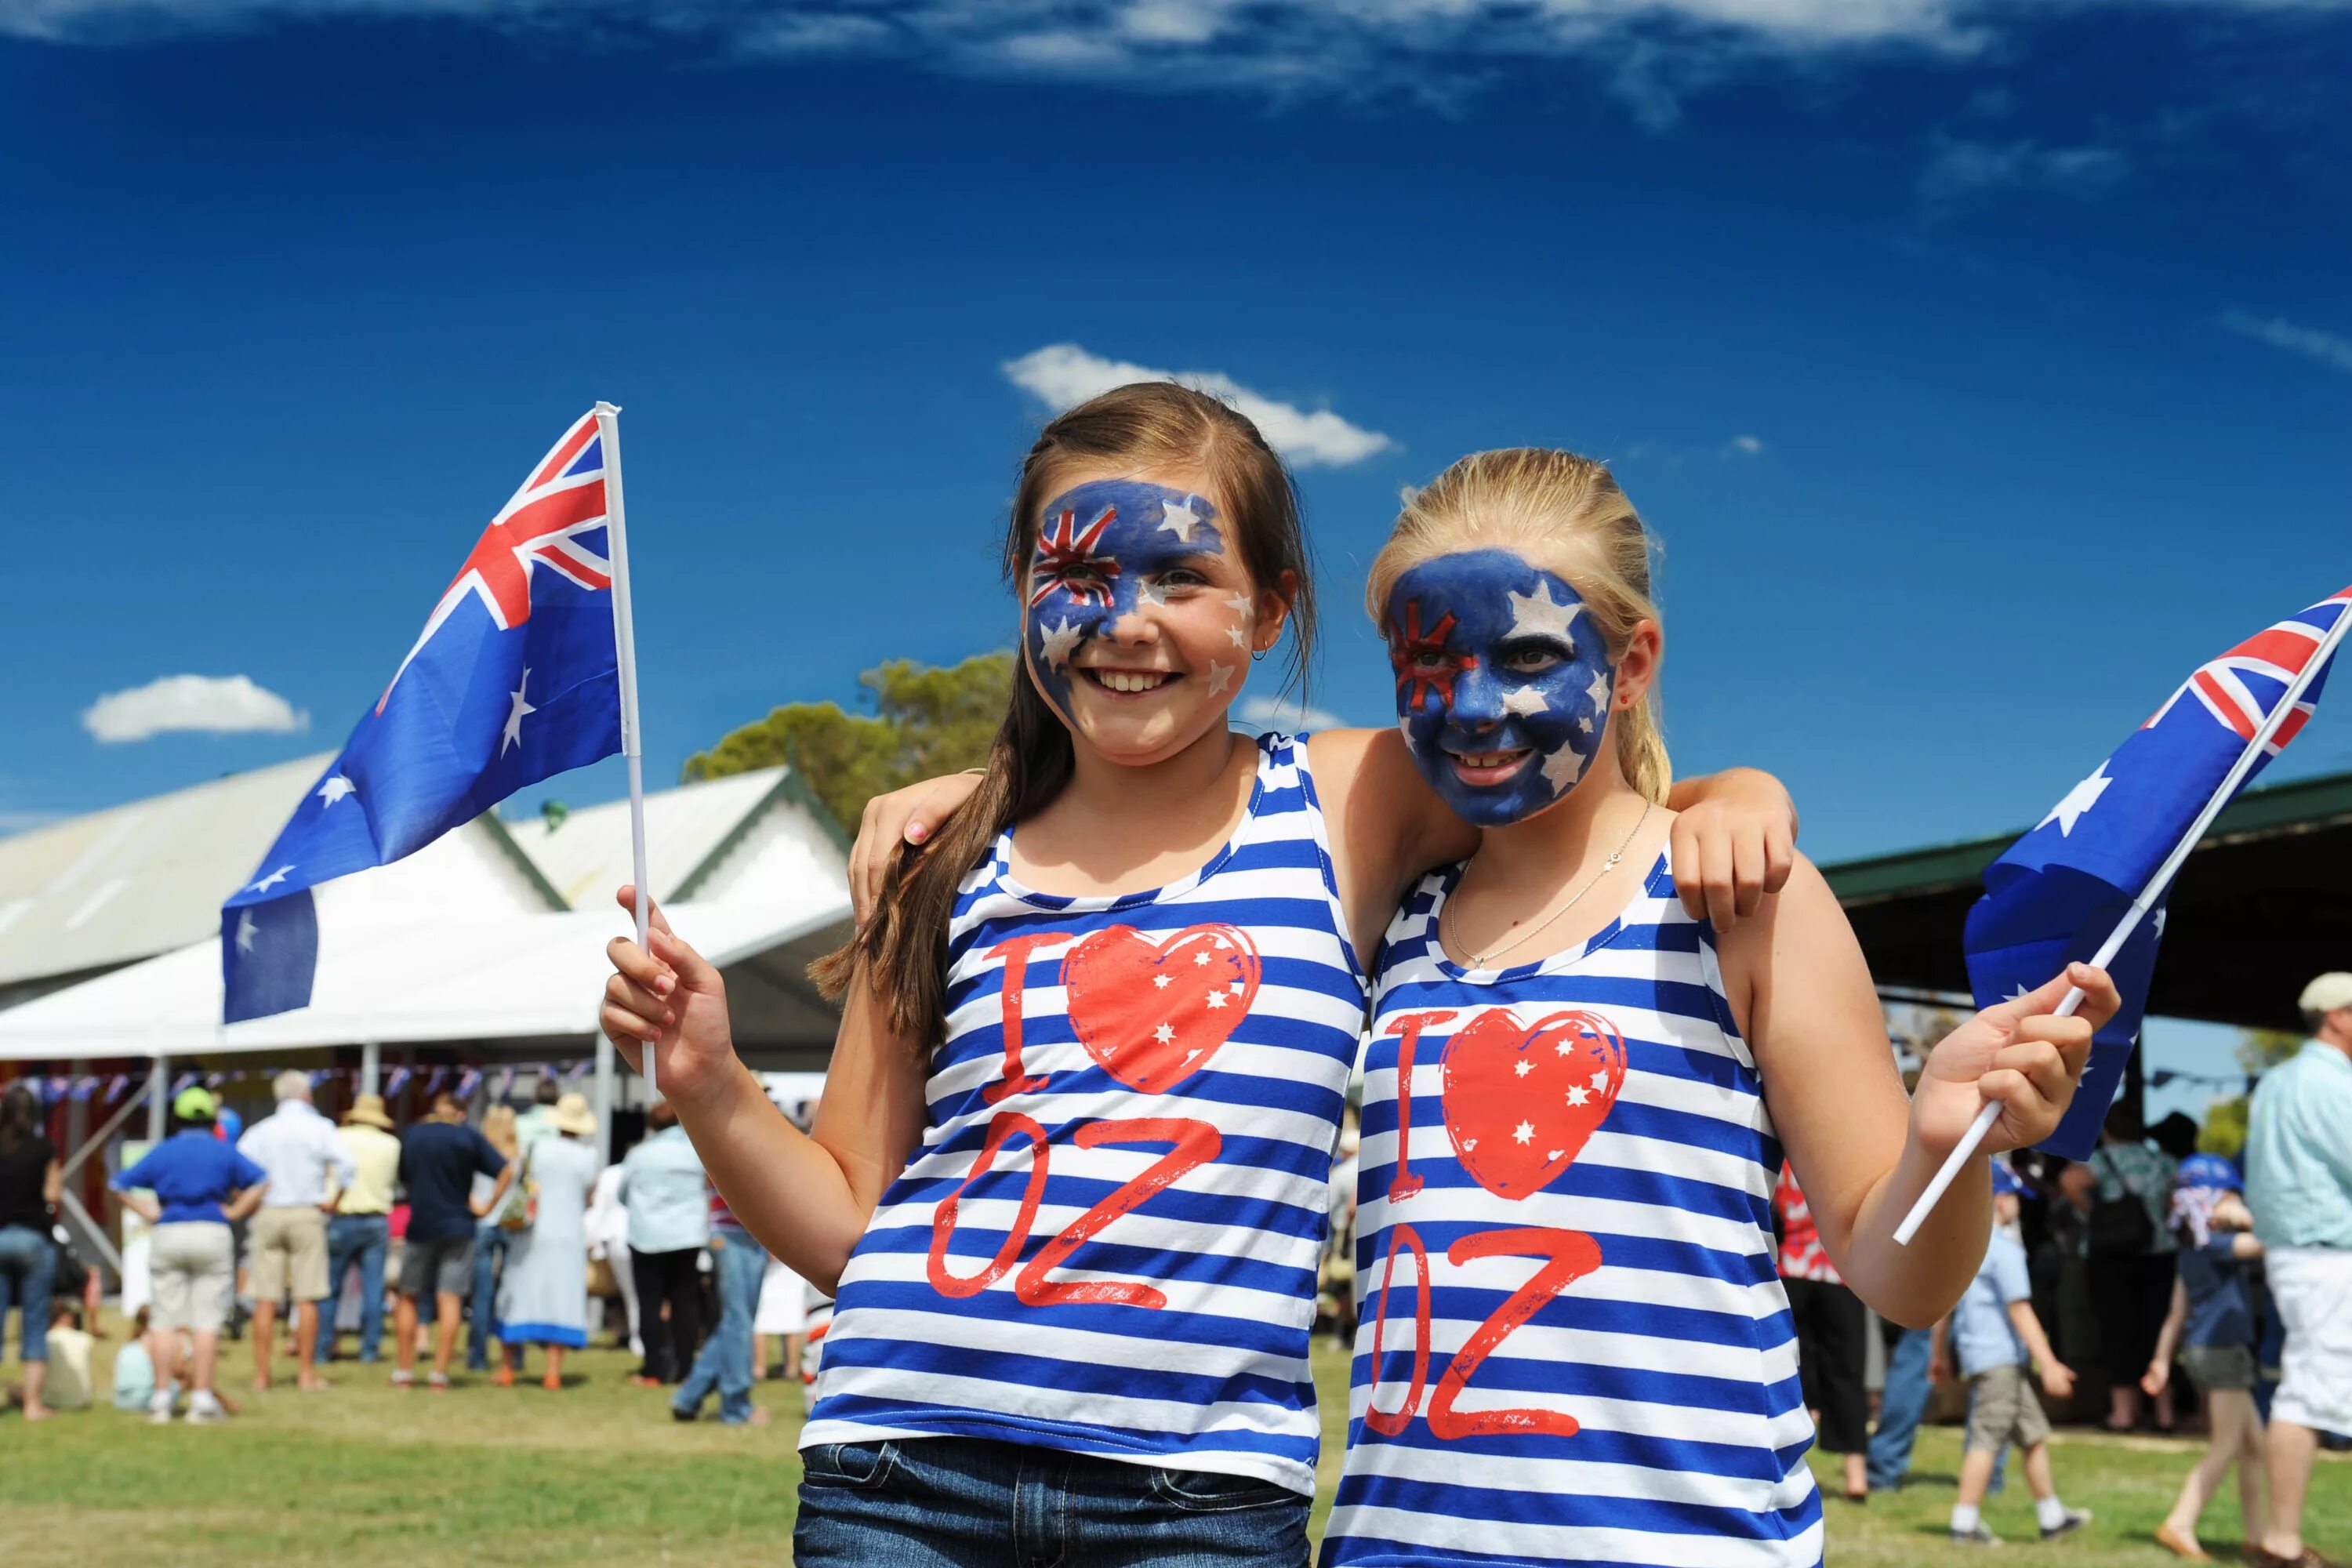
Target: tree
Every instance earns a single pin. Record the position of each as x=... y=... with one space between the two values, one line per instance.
x=2261 y=1049
x=925 y=721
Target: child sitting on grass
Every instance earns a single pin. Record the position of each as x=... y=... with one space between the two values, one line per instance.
x=1997 y=1337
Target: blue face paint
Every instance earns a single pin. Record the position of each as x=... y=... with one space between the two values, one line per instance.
x=1494 y=656
x=1104 y=550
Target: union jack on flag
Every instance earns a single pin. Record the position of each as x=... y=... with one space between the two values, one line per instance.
x=515 y=678
x=1066 y=559
x=2056 y=893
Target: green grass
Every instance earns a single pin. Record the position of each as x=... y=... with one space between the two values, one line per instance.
x=365 y=1475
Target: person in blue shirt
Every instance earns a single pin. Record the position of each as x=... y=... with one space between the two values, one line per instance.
x=668 y=1199
x=440 y=1158
x=191 y=1187
x=2213 y=1325
x=1996 y=1337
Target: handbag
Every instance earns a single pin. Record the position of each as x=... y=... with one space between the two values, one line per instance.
x=520 y=1210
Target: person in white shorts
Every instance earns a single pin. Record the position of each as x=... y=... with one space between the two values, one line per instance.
x=190 y=1188
x=2299 y=1185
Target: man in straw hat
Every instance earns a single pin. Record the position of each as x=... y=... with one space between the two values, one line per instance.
x=2299 y=1185
x=360 y=1234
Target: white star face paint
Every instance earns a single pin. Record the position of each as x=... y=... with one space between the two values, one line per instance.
x=1503 y=685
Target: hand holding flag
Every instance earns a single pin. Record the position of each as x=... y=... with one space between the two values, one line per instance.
x=663 y=992
x=2020 y=1058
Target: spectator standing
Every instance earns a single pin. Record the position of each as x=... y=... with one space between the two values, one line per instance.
x=306 y=1163
x=2125 y=1189
x=501 y=1126
x=440 y=1158
x=538 y=1121
x=30 y=1182
x=2299 y=1183
x=783 y=1313
x=1831 y=1351
x=2213 y=1327
x=724 y=1363
x=359 y=1236
x=666 y=1194
x=1996 y=1338
x=608 y=1238
x=543 y=1298
x=200 y=1184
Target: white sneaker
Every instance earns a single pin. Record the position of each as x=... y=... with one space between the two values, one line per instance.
x=159 y=1408
x=204 y=1410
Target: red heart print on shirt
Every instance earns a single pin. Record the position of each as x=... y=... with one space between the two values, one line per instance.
x=1154 y=1013
x=1521 y=1099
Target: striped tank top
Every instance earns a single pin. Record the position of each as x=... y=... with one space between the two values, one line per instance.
x=1107 y=1241
x=1573 y=1346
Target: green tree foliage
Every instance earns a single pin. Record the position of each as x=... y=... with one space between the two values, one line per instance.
x=924 y=721
x=2259 y=1050
x=2225 y=1131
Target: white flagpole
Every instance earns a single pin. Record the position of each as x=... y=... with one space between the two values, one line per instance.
x=624 y=645
x=2139 y=907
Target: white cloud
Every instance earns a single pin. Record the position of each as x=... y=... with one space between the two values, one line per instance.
x=2328 y=348
x=1744 y=447
x=1285 y=714
x=1062 y=375
x=215 y=704
x=1959 y=168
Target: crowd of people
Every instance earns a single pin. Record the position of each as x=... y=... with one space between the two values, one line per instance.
x=512 y=1233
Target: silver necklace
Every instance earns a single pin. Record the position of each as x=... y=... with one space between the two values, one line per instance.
x=1478 y=960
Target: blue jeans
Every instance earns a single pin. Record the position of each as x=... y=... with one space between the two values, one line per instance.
x=965 y=1502
x=1901 y=1404
x=29 y=1265
x=360 y=1240
x=490 y=1244
x=724 y=1362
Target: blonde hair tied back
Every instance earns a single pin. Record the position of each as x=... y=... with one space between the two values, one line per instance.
x=1560 y=512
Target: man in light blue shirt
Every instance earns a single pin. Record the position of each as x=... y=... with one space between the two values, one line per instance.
x=2299 y=1185
x=668 y=1202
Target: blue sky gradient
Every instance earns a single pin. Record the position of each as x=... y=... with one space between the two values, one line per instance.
x=1983 y=367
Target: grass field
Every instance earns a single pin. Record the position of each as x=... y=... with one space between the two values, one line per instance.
x=365 y=1476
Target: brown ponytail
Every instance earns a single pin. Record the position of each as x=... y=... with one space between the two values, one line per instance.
x=902 y=949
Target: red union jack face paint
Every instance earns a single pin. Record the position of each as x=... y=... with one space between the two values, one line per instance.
x=1502 y=683
x=1110 y=551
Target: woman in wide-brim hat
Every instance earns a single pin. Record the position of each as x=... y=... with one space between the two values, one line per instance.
x=543 y=1295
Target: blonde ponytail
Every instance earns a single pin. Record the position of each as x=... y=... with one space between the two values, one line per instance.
x=1561 y=511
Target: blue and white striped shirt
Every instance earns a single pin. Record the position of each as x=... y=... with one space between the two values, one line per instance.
x=1574 y=1347
x=1108 y=1243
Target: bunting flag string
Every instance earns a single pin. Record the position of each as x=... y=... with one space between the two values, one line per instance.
x=106 y=1089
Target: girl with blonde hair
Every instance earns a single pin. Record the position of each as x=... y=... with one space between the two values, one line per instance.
x=1574 y=1343
x=1069 y=1172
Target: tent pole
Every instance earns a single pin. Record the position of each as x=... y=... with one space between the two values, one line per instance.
x=603 y=1098
x=158 y=1083
x=371 y=1066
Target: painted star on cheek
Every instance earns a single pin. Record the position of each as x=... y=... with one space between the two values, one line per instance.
x=1219 y=676
x=1150 y=594
x=1599 y=690
x=1241 y=638
x=1584 y=724
x=1058 y=641
x=1239 y=603
x=1537 y=614
x=1562 y=769
x=1525 y=699
x=1179 y=520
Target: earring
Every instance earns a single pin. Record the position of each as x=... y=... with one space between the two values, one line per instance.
x=1257 y=656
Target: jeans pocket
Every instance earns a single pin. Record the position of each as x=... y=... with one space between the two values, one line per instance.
x=861 y=1467
x=1206 y=1491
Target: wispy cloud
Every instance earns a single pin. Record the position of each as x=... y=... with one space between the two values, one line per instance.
x=209 y=704
x=1958 y=169
x=2332 y=349
x=1285 y=715
x=1061 y=376
x=1744 y=447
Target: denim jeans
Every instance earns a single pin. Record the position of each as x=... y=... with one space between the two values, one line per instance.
x=28 y=1265
x=725 y=1360
x=490 y=1244
x=964 y=1502
x=1901 y=1404
x=360 y=1240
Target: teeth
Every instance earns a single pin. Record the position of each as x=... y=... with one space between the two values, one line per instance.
x=1480 y=760
x=1126 y=680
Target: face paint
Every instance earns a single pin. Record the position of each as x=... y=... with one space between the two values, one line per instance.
x=1497 y=662
x=1105 y=551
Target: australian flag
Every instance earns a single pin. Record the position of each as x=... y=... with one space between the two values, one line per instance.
x=2058 y=893
x=514 y=680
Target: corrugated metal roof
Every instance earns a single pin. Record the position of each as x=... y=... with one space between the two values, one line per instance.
x=588 y=856
x=141 y=878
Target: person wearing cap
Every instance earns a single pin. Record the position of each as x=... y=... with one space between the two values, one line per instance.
x=1997 y=1340
x=191 y=1187
x=306 y=1162
x=360 y=1234
x=2213 y=1327
x=543 y=1294
x=2299 y=1185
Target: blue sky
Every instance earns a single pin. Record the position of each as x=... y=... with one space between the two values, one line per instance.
x=1984 y=366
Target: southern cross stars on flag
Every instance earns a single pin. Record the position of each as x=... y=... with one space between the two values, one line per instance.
x=514 y=680
x=2054 y=896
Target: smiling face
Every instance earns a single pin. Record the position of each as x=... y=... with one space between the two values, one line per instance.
x=1138 y=620
x=1503 y=682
